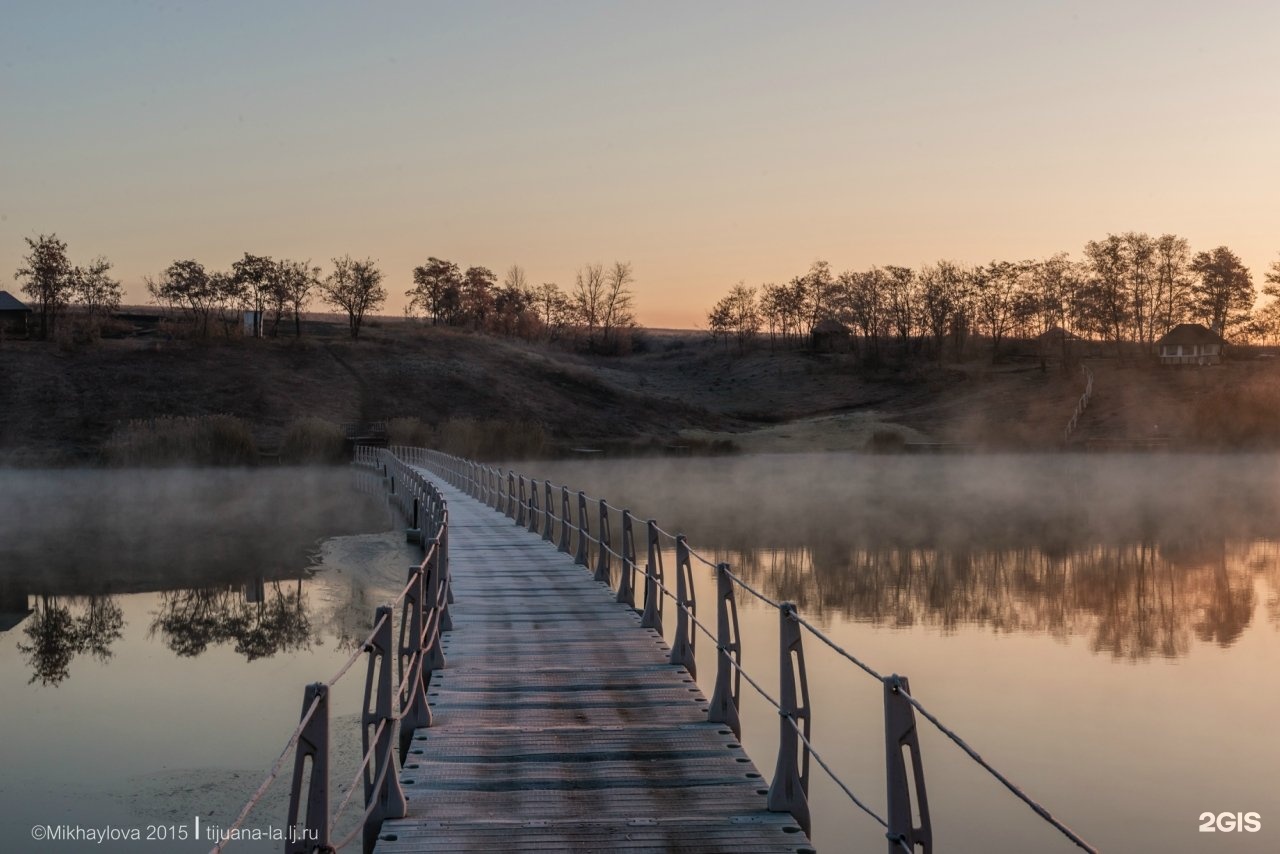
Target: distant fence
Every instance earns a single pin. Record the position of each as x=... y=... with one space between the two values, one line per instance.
x=532 y=504
x=391 y=706
x=1081 y=405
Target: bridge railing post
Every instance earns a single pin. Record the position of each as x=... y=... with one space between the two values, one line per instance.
x=548 y=505
x=900 y=737
x=789 y=790
x=682 y=645
x=566 y=529
x=415 y=711
x=654 y=579
x=534 y=509
x=723 y=708
x=604 y=572
x=383 y=797
x=520 y=507
x=626 y=580
x=433 y=652
x=313 y=744
x=414 y=534
x=511 y=495
x=446 y=578
x=584 y=531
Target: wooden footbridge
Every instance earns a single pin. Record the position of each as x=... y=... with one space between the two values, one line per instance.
x=524 y=702
x=559 y=723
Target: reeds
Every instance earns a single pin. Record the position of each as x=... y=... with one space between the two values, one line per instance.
x=474 y=438
x=313 y=440
x=203 y=440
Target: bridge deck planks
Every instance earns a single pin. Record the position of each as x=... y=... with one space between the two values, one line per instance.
x=559 y=725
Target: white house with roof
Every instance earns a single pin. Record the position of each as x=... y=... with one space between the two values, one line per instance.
x=1190 y=344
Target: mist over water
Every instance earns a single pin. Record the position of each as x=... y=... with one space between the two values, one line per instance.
x=158 y=626
x=1144 y=555
x=1047 y=501
x=123 y=530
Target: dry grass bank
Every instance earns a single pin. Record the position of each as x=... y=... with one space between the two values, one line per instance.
x=498 y=398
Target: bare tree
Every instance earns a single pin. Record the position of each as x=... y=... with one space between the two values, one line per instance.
x=478 y=285
x=720 y=322
x=229 y=295
x=820 y=291
x=1054 y=282
x=1173 y=280
x=939 y=299
x=515 y=279
x=48 y=275
x=900 y=291
x=554 y=309
x=95 y=290
x=185 y=285
x=293 y=284
x=588 y=297
x=737 y=314
x=433 y=285
x=1266 y=320
x=356 y=288
x=512 y=305
x=254 y=276
x=617 y=314
x=863 y=296
x=1272 y=288
x=1224 y=293
x=1143 y=284
x=996 y=289
x=772 y=307
x=1107 y=309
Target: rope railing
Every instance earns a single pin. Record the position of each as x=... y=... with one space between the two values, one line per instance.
x=528 y=502
x=772 y=603
x=307 y=714
x=1036 y=807
x=369 y=756
x=387 y=707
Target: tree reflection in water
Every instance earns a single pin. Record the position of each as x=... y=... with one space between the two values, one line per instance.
x=260 y=620
x=55 y=635
x=1132 y=600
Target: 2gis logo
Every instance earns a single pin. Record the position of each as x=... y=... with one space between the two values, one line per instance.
x=1230 y=822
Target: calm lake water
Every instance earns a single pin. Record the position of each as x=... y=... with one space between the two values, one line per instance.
x=1103 y=629
x=156 y=631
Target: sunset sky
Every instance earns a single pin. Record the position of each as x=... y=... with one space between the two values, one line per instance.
x=706 y=143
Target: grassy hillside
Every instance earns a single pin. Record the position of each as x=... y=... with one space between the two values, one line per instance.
x=61 y=404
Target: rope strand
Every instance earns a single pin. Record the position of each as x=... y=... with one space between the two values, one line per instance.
x=1008 y=784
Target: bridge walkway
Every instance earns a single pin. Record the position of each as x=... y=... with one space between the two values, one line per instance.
x=559 y=725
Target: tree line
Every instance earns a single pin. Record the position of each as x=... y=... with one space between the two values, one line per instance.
x=272 y=289
x=596 y=314
x=1129 y=287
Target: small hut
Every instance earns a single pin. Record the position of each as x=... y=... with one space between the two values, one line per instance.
x=1190 y=344
x=14 y=314
x=830 y=336
x=1056 y=336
